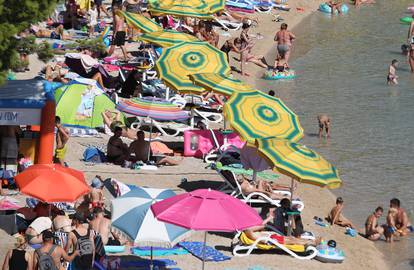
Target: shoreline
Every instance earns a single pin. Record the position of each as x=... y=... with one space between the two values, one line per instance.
x=360 y=253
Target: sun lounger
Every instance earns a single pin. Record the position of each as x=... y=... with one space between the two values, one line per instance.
x=227 y=25
x=246 y=246
x=263 y=6
x=167 y=128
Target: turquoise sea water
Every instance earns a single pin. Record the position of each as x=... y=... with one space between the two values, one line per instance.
x=341 y=65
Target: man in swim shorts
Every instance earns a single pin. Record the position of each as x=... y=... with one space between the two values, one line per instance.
x=62 y=138
x=119 y=33
x=284 y=39
x=324 y=122
x=400 y=220
x=372 y=231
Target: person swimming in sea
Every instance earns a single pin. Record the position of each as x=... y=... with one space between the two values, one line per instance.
x=392 y=73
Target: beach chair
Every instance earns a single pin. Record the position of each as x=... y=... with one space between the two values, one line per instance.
x=246 y=246
x=227 y=25
x=263 y=6
x=168 y=128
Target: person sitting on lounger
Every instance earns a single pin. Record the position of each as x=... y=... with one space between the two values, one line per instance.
x=336 y=217
x=257 y=232
x=112 y=119
x=117 y=150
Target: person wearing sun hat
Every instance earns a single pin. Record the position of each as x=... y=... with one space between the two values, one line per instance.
x=18 y=258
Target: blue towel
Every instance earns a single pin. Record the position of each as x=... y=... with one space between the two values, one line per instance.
x=145 y=263
x=211 y=254
x=146 y=251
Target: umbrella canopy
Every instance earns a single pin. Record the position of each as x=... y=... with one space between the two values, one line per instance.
x=220 y=83
x=167 y=38
x=132 y=215
x=140 y=22
x=206 y=210
x=299 y=162
x=257 y=115
x=82 y=105
x=153 y=108
x=203 y=9
x=52 y=183
x=179 y=61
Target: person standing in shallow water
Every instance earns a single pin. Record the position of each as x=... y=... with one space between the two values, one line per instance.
x=284 y=39
x=324 y=123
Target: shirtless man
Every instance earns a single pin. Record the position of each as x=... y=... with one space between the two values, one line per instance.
x=62 y=223
x=96 y=197
x=119 y=32
x=284 y=39
x=117 y=150
x=57 y=253
x=101 y=225
x=401 y=219
x=62 y=137
x=372 y=231
x=140 y=147
x=324 y=123
x=336 y=217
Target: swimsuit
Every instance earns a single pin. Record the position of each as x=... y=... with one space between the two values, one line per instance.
x=282 y=49
x=54 y=35
x=60 y=153
x=119 y=38
x=280 y=68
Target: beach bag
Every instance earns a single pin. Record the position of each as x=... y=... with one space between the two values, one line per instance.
x=85 y=247
x=94 y=155
x=46 y=261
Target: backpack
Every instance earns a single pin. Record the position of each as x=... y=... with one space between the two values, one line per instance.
x=45 y=261
x=93 y=155
x=85 y=247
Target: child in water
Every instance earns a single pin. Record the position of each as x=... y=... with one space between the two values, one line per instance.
x=392 y=73
x=391 y=229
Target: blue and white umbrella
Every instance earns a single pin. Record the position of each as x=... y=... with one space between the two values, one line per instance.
x=132 y=215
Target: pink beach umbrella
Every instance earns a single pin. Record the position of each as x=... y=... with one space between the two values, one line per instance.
x=206 y=210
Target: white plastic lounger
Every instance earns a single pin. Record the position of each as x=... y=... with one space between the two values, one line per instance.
x=171 y=129
x=246 y=246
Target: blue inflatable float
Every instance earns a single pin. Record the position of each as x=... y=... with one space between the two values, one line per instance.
x=327 y=9
x=286 y=75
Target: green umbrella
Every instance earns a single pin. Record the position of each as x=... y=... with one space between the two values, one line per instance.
x=140 y=22
x=299 y=162
x=219 y=83
x=256 y=115
x=179 y=61
x=167 y=38
x=203 y=9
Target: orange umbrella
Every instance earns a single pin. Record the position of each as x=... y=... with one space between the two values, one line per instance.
x=52 y=183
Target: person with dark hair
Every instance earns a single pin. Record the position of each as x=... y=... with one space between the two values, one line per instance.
x=81 y=240
x=373 y=232
x=62 y=138
x=284 y=39
x=49 y=256
x=140 y=147
x=271 y=93
x=101 y=225
x=324 y=123
x=336 y=217
x=335 y=5
x=392 y=73
x=117 y=150
x=119 y=32
x=397 y=219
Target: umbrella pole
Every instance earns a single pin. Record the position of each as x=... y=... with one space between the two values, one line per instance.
x=204 y=248
x=152 y=262
x=291 y=203
x=254 y=176
x=149 y=150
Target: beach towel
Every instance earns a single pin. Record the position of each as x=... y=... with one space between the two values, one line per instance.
x=156 y=252
x=160 y=148
x=83 y=132
x=145 y=264
x=211 y=254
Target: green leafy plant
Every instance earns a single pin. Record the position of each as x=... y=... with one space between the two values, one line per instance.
x=44 y=51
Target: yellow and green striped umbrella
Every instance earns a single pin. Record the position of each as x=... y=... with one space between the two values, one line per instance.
x=219 y=83
x=167 y=38
x=203 y=9
x=256 y=115
x=179 y=61
x=299 y=162
x=140 y=22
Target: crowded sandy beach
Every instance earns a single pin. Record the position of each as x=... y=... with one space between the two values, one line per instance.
x=151 y=135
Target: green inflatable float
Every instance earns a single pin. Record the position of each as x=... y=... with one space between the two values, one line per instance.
x=406 y=20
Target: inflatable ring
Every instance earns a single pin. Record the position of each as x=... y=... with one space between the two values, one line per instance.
x=271 y=75
x=327 y=9
x=329 y=255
